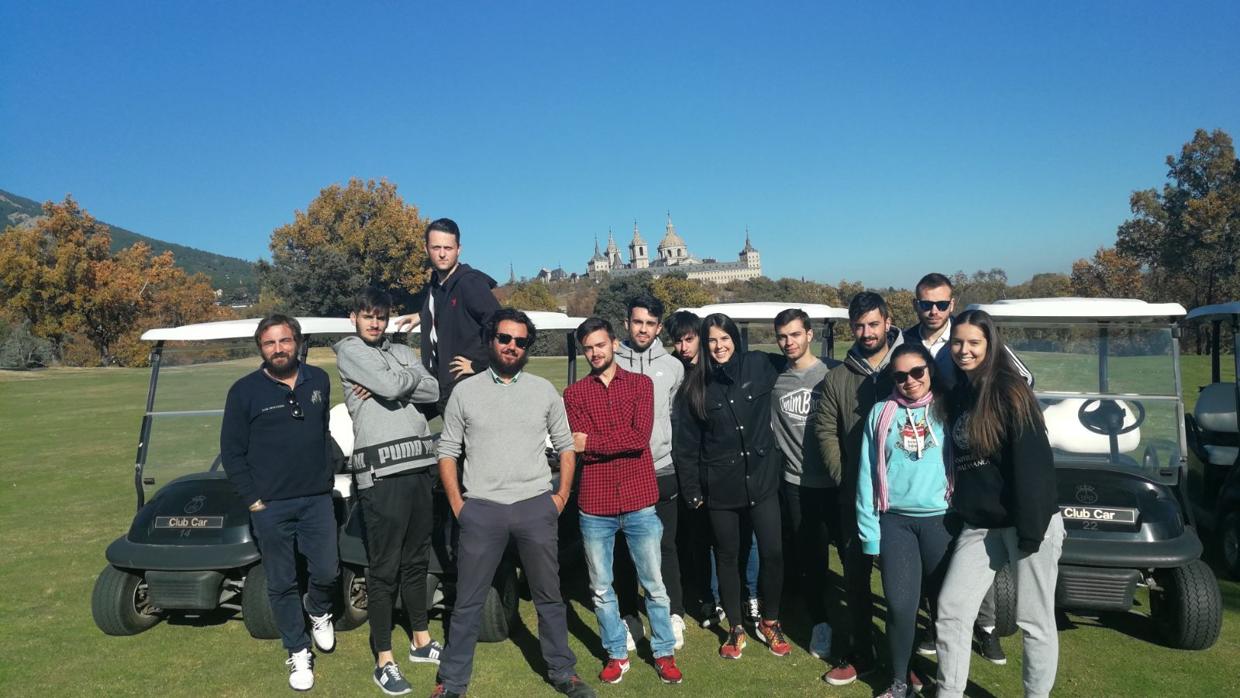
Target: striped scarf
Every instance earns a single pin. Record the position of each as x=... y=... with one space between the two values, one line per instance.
x=885 y=419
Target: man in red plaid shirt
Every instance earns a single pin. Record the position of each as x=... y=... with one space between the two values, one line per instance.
x=611 y=414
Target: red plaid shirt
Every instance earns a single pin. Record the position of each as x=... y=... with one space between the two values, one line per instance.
x=617 y=473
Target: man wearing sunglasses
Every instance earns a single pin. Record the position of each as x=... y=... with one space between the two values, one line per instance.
x=393 y=466
x=273 y=445
x=502 y=417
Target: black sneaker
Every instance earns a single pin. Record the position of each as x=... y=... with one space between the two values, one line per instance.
x=389 y=680
x=441 y=692
x=574 y=687
x=926 y=647
x=988 y=646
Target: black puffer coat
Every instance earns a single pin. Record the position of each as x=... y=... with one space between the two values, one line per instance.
x=730 y=459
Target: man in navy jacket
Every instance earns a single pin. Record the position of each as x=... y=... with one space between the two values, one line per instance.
x=273 y=444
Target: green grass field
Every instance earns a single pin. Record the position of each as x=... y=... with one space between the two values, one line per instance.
x=67 y=491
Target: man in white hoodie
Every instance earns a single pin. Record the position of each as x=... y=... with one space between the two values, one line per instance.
x=643 y=353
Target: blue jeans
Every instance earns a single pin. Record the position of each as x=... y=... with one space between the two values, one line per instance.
x=644 y=533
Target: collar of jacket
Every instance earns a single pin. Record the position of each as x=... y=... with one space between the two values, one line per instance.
x=859 y=364
x=634 y=357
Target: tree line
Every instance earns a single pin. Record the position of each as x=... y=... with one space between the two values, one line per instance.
x=65 y=298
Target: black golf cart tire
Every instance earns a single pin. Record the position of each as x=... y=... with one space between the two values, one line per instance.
x=114 y=603
x=1005 y=601
x=499 y=611
x=1188 y=611
x=256 y=611
x=1229 y=544
x=351 y=615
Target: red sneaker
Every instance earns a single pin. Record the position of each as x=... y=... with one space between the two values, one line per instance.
x=735 y=643
x=668 y=672
x=841 y=674
x=614 y=670
x=772 y=634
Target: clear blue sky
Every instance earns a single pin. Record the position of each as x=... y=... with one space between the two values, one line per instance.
x=856 y=141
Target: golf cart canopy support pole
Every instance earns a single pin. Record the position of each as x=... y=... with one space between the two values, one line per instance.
x=572 y=358
x=828 y=339
x=144 y=432
x=1216 y=374
x=1235 y=357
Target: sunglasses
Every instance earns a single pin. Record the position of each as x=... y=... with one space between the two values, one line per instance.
x=925 y=306
x=917 y=372
x=503 y=339
x=294 y=407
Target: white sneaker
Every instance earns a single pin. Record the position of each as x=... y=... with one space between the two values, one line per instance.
x=630 y=643
x=301 y=670
x=321 y=629
x=678 y=630
x=820 y=641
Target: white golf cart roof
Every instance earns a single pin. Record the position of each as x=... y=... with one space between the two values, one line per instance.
x=1218 y=311
x=244 y=329
x=1081 y=309
x=759 y=311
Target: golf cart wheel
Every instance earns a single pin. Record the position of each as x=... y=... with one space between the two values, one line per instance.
x=499 y=611
x=1005 y=601
x=353 y=610
x=1229 y=542
x=1187 y=608
x=120 y=603
x=256 y=611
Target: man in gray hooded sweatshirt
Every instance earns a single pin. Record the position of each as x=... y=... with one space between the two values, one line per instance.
x=392 y=459
x=643 y=353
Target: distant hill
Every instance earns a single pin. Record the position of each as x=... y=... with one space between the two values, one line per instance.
x=237 y=278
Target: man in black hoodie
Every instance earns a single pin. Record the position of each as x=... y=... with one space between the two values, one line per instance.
x=456 y=302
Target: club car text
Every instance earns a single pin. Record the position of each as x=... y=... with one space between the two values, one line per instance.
x=189 y=522
x=1103 y=514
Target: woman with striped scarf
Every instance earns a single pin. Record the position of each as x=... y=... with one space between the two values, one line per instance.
x=903 y=491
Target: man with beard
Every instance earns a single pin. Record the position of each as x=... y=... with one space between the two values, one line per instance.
x=392 y=459
x=849 y=391
x=273 y=444
x=643 y=353
x=611 y=413
x=501 y=417
x=807 y=493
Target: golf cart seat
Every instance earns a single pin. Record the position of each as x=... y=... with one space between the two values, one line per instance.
x=1216 y=413
x=340 y=426
x=1066 y=433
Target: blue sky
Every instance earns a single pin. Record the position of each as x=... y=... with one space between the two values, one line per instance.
x=865 y=141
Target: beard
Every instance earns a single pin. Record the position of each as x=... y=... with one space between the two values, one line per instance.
x=602 y=369
x=286 y=369
x=507 y=366
x=868 y=352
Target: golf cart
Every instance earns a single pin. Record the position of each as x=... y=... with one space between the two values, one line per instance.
x=1214 y=440
x=190 y=551
x=1108 y=378
x=745 y=314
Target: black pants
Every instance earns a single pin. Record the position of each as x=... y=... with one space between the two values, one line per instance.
x=858 y=571
x=810 y=519
x=915 y=555
x=398 y=515
x=307 y=524
x=668 y=511
x=486 y=528
x=734 y=530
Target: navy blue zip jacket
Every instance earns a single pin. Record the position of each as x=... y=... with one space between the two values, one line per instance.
x=268 y=453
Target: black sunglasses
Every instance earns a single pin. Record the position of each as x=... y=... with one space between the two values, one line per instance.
x=925 y=306
x=294 y=407
x=521 y=342
x=916 y=372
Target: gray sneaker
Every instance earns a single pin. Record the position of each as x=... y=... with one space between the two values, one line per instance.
x=389 y=680
x=426 y=654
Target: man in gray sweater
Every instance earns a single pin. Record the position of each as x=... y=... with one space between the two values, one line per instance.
x=393 y=452
x=643 y=353
x=502 y=417
x=808 y=492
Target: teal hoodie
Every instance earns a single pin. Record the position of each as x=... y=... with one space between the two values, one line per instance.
x=915 y=486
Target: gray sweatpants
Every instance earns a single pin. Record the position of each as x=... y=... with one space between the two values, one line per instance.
x=978 y=553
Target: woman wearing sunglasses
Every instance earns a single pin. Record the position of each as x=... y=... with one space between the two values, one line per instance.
x=1005 y=495
x=902 y=493
x=726 y=457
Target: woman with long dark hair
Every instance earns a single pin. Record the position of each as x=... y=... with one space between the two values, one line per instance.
x=1004 y=493
x=727 y=460
x=903 y=488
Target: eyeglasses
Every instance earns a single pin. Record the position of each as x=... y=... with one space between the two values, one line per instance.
x=925 y=306
x=521 y=342
x=294 y=407
x=917 y=372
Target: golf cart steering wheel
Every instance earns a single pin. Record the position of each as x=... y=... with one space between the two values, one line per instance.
x=1108 y=419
